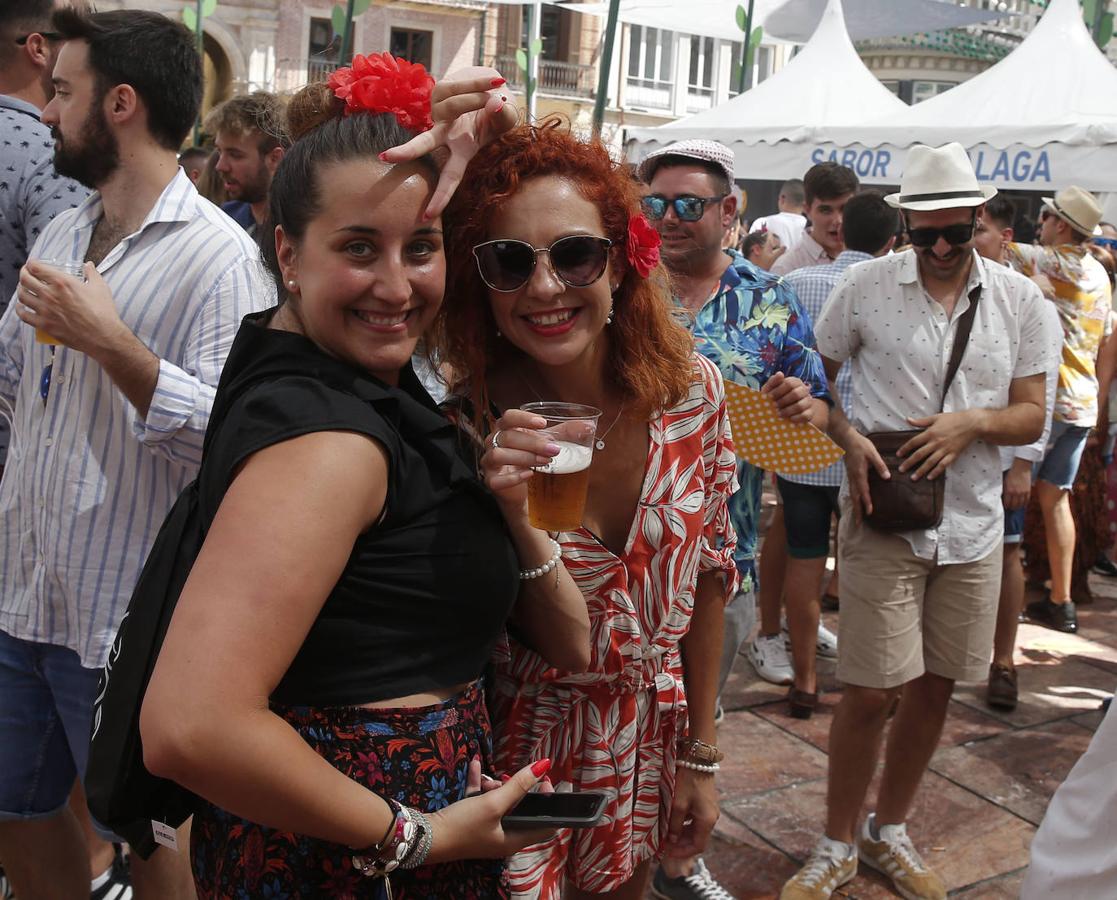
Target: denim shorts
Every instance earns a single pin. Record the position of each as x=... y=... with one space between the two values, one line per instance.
x=46 y=710
x=1064 y=451
x=807 y=509
x=1014 y=525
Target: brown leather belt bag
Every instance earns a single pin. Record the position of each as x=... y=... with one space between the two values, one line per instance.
x=900 y=504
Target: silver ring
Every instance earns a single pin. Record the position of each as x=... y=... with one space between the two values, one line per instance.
x=495 y=440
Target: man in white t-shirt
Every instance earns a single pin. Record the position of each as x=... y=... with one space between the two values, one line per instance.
x=788 y=224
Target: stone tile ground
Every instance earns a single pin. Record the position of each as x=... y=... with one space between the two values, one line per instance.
x=978 y=807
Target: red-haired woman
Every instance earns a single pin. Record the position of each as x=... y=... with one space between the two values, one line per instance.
x=558 y=295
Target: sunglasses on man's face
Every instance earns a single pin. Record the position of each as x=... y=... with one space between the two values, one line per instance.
x=49 y=35
x=687 y=208
x=507 y=265
x=954 y=235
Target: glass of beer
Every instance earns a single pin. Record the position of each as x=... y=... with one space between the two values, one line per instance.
x=556 y=493
x=69 y=267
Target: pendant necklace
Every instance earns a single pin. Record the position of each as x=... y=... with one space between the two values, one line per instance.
x=600 y=442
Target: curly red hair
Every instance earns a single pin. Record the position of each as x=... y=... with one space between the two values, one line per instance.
x=649 y=352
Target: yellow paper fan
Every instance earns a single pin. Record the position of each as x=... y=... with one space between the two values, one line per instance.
x=772 y=443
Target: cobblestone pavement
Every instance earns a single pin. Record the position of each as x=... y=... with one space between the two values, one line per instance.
x=978 y=807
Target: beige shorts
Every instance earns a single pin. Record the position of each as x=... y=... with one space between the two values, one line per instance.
x=902 y=616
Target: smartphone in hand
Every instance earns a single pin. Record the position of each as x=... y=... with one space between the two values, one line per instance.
x=573 y=809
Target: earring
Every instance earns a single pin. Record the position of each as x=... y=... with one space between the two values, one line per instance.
x=292 y=284
x=609 y=317
x=498 y=334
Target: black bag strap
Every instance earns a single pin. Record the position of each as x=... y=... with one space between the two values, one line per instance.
x=961 y=339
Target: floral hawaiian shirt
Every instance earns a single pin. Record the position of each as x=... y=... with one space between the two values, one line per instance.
x=752 y=328
x=1083 y=299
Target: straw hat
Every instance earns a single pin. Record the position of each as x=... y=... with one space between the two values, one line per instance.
x=1078 y=208
x=707 y=151
x=939 y=178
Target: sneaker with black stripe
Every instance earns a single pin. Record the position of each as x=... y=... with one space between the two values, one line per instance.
x=117 y=883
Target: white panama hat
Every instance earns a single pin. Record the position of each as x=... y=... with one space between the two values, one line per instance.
x=1077 y=207
x=939 y=178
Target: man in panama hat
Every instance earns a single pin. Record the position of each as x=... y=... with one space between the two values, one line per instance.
x=918 y=607
x=1081 y=293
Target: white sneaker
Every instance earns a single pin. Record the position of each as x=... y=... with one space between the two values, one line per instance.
x=769 y=657
x=826 y=645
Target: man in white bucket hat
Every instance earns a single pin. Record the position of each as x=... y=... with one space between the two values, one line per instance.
x=918 y=606
x=1081 y=294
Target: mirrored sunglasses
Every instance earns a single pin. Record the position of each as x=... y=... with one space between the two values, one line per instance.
x=507 y=265
x=687 y=208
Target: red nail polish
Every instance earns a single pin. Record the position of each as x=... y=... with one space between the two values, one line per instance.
x=540 y=767
x=506 y=777
x=383 y=157
x=497 y=82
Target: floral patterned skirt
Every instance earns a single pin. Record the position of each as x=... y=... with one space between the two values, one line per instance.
x=417 y=756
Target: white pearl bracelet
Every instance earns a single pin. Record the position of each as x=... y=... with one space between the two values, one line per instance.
x=549 y=566
x=705 y=769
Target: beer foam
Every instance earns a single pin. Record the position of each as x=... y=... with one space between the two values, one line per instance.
x=571 y=458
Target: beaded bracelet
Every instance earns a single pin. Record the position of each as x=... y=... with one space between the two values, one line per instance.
x=400 y=843
x=549 y=566
x=422 y=847
x=699 y=767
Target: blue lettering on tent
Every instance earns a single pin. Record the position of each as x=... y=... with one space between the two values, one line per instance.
x=1019 y=167
x=866 y=163
x=977 y=166
x=1042 y=171
x=1000 y=170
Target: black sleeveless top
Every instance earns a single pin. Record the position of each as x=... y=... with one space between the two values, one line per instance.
x=426 y=591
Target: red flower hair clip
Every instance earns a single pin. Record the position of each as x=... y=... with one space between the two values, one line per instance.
x=382 y=83
x=643 y=245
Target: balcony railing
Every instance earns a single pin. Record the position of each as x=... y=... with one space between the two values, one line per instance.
x=292 y=74
x=555 y=77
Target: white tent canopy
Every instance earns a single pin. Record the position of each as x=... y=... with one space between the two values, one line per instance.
x=706 y=18
x=796 y=20
x=1056 y=86
x=825 y=85
x=788 y=21
x=1042 y=118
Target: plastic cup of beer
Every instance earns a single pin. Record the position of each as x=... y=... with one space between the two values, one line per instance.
x=556 y=493
x=69 y=267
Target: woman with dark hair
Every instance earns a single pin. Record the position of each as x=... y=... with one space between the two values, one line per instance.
x=355 y=574
x=559 y=296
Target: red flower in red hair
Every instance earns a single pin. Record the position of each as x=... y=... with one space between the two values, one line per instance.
x=382 y=83
x=643 y=246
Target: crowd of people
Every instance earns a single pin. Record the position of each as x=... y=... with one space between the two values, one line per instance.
x=332 y=332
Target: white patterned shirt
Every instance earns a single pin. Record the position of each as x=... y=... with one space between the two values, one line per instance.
x=898 y=340
x=88 y=482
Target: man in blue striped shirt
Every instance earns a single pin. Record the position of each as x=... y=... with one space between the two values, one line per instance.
x=869 y=228
x=109 y=419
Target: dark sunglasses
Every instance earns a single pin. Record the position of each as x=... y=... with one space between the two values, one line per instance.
x=578 y=261
x=49 y=35
x=952 y=234
x=687 y=208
